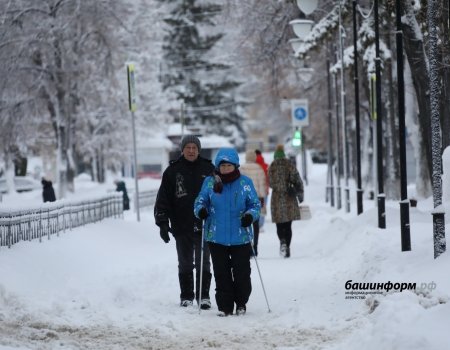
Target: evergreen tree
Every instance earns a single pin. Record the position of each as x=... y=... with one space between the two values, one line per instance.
x=203 y=85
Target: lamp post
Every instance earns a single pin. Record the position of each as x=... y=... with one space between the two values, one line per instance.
x=308 y=7
x=343 y=116
x=381 y=195
x=404 y=202
x=330 y=187
x=359 y=191
x=301 y=28
x=338 y=145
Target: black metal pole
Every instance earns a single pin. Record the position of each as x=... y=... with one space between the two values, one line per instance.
x=404 y=202
x=338 y=146
x=330 y=132
x=359 y=191
x=345 y=141
x=381 y=195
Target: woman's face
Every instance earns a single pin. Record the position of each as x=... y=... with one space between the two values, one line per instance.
x=226 y=168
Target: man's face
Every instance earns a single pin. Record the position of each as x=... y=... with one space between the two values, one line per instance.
x=190 y=152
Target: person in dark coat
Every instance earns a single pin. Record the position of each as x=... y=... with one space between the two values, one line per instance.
x=287 y=192
x=48 y=193
x=180 y=185
x=120 y=187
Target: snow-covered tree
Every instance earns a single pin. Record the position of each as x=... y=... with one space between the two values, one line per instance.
x=201 y=83
x=62 y=53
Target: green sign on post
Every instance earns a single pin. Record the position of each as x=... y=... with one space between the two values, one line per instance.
x=131 y=88
x=132 y=106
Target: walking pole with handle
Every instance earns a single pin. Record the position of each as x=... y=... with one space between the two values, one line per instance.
x=259 y=272
x=201 y=269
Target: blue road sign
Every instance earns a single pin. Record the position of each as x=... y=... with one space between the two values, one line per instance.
x=299 y=112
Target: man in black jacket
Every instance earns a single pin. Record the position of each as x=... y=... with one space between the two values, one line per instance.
x=174 y=212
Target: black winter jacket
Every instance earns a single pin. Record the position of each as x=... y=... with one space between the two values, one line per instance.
x=48 y=193
x=180 y=185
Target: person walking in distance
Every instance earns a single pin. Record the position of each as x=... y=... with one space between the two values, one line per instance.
x=121 y=187
x=180 y=185
x=48 y=193
x=229 y=205
x=260 y=160
x=287 y=186
x=257 y=175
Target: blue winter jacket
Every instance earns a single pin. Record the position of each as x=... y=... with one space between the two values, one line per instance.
x=223 y=224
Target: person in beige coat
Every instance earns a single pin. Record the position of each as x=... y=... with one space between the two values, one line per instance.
x=257 y=175
x=287 y=191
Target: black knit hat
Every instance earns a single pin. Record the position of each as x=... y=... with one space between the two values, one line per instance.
x=190 y=139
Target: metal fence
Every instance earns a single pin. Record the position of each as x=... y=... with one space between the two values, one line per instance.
x=53 y=218
x=146 y=198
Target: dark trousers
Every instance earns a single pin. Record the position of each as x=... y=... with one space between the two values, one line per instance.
x=189 y=247
x=255 y=236
x=284 y=232
x=231 y=265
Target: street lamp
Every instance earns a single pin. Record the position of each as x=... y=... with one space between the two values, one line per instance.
x=381 y=195
x=305 y=73
x=404 y=203
x=330 y=185
x=295 y=43
x=307 y=6
x=343 y=115
x=301 y=27
x=338 y=142
x=359 y=191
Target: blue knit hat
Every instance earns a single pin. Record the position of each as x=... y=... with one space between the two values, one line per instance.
x=227 y=155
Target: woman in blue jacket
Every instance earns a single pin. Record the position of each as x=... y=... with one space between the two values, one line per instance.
x=229 y=204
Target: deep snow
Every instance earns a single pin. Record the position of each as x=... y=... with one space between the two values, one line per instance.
x=113 y=285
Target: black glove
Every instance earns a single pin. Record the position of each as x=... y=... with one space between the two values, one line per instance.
x=246 y=220
x=261 y=200
x=203 y=213
x=164 y=230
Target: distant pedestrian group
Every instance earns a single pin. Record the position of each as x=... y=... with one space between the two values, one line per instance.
x=216 y=211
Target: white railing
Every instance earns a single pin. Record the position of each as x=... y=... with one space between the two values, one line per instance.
x=51 y=218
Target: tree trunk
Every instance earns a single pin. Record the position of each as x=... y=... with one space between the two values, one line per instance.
x=417 y=58
x=445 y=74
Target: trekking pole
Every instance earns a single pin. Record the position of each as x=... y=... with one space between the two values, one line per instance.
x=201 y=270
x=260 y=277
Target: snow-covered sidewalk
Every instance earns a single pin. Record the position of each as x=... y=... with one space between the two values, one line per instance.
x=113 y=285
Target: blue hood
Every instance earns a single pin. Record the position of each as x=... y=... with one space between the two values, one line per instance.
x=228 y=155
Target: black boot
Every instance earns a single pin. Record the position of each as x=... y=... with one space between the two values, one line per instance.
x=205 y=303
x=288 y=252
x=187 y=288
